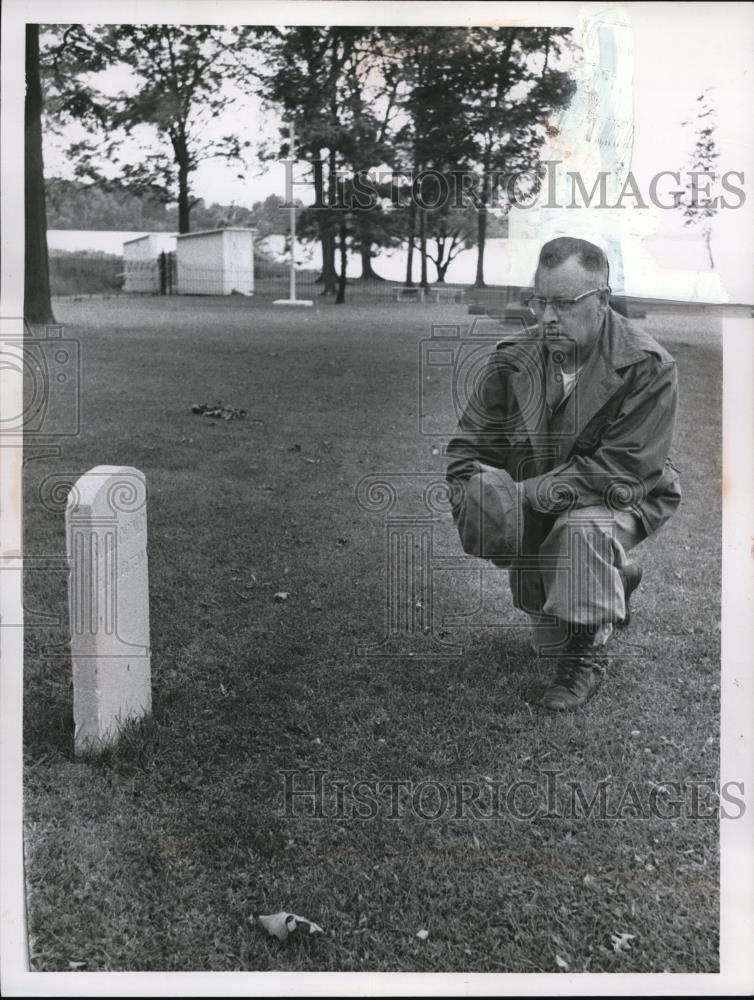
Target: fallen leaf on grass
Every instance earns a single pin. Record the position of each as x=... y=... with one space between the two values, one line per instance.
x=75 y=966
x=422 y=934
x=620 y=942
x=282 y=595
x=561 y=963
x=281 y=925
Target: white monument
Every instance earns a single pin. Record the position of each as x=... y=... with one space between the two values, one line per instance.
x=108 y=601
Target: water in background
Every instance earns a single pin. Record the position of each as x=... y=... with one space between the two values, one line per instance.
x=81 y=240
x=673 y=267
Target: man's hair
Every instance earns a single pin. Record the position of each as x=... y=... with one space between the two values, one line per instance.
x=557 y=251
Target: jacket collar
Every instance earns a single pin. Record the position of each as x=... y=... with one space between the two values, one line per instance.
x=620 y=345
x=624 y=343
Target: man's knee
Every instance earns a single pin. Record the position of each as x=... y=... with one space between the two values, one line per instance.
x=590 y=526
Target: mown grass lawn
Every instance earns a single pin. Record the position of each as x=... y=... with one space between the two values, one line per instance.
x=154 y=856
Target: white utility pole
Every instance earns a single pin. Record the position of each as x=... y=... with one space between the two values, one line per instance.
x=292 y=300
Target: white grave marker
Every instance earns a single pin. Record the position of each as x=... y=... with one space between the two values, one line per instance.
x=108 y=602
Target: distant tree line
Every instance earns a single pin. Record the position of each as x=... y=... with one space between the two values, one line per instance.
x=413 y=136
x=75 y=204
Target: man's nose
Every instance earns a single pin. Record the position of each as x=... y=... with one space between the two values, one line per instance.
x=549 y=315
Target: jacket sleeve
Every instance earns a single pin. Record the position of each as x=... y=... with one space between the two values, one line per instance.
x=629 y=456
x=482 y=433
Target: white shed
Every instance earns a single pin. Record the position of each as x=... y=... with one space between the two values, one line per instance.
x=216 y=262
x=141 y=270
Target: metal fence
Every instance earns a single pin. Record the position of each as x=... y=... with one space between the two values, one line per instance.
x=85 y=274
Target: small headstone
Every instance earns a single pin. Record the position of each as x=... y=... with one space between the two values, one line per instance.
x=108 y=602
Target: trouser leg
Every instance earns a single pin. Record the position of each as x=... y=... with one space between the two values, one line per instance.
x=525 y=577
x=580 y=559
x=555 y=567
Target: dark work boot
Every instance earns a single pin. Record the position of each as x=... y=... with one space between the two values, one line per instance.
x=578 y=673
x=630 y=575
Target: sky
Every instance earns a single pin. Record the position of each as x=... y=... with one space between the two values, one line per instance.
x=676 y=57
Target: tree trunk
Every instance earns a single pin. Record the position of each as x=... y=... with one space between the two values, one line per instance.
x=324 y=224
x=37 y=306
x=328 y=275
x=328 y=231
x=410 y=258
x=479 y=281
x=440 y=261
x=341 y=296
x=481 y=238
x=423 y=248
x=366 y=263
x=184 y=203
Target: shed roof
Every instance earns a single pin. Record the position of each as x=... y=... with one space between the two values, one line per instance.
x=210 y=232
x=145 y=236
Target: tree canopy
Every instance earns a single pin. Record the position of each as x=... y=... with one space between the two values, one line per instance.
x=384 y=118
x=179 y=76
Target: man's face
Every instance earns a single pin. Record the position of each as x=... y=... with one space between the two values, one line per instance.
x=581 y=323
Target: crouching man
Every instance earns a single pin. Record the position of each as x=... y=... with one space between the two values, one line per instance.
x=560 y=464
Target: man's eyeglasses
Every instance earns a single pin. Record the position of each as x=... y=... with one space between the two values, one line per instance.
x=538 y=305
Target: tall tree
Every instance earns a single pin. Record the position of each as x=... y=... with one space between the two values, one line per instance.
x=368 y=103
x=433 y=135
x=699 y=209
x=301 y=70
x=179 y=75
x=37 y=305
x=515 y=83
x=323 y=79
